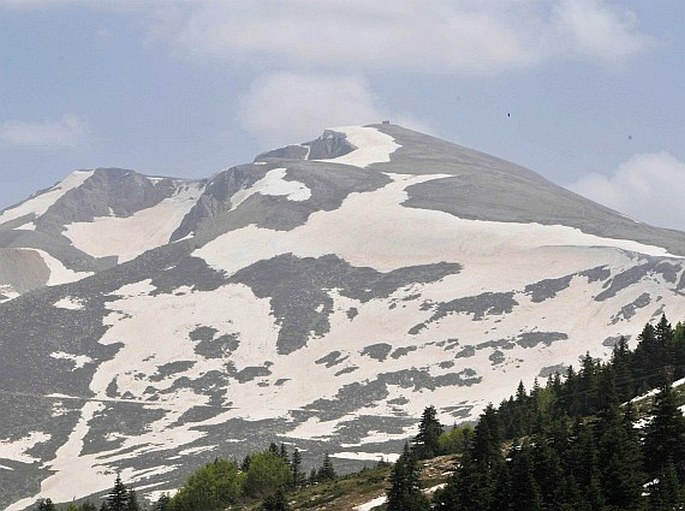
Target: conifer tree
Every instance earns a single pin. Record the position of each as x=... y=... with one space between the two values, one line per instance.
x=621 y=466
x=405 y=485
x=132 y=504
x=245 y=465
x=162 y=503
x=426 y=442
x=296 y=466
x=665 y=434
x=525 y=494
x=283 y=453
x=118 y=497
x=276 y=502
x=666 y=493
x=326 y=472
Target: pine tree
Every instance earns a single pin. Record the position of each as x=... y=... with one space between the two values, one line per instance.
x=665 y=434
x=525 y=494
x=132 y=504
x=162 y=503
x=245 y=465
x=426 y=443
x=405 y=485
x=666 y=493
x=276 y=502
x=296 y=466
x=326 y=471
x=283 y=453
x=621 y=466
x=118 y=496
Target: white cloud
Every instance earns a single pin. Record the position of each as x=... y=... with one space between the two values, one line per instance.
x=69 y=131
x=598 y=30
x=286 y=108
x=648 y=187
x=464 y=36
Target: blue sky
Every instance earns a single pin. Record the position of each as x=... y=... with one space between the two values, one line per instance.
x=185 y=88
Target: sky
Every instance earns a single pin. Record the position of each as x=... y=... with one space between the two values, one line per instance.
x=588 y=93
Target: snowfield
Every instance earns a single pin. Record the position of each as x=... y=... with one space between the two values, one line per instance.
x=128 y=237
x=372 y=146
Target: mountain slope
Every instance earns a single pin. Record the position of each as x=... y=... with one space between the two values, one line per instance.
x=89 y=221
x=323 y=294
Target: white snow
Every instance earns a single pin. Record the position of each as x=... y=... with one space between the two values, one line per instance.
x=372 y=146
x=366 y=456
x=368 y=506
x=433 y=489
x=273 y=183
x=70 y=303
x=16 y=449
x=374 y=229
x=4 y=467
x=128 y=237
x=79 y=361
x=40 y=203
x=59 y=274
x=655 y=391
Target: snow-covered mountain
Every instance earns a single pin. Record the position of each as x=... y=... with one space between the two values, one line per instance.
x=90 y=221
x=322 y=295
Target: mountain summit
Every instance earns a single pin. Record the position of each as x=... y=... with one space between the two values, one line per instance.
x=322 y=295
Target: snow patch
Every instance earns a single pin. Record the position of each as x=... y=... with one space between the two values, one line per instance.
x=273 y=183
x=367 y=456
x=78 y=360
x=59 y=274
x=372 y=146
x=39 y=204
x=128 y=237
x=70 y=303
x=368 y=506
x=16 y=450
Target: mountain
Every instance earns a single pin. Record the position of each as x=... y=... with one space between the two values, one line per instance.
x=90 y=221
x=322 y=295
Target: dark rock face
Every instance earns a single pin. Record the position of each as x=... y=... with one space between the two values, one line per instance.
x=309 y=279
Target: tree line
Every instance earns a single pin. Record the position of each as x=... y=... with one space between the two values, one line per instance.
x=570 y=445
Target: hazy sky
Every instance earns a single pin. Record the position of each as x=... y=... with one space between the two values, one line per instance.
x=187 y=88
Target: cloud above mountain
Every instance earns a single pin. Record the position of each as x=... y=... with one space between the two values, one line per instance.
x=283 y=108
x=462 y=36
x=648 y=186
x=69 y=131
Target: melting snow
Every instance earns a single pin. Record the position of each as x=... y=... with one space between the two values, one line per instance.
x=16 y=449
x=128 y=237
x=69 y=303
x=40 y=203
x=273 y=183
x=78 y=360
x=372 y=146
x=367 y=456
x=368 y=506
x=59 y=274
x=374 y=229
